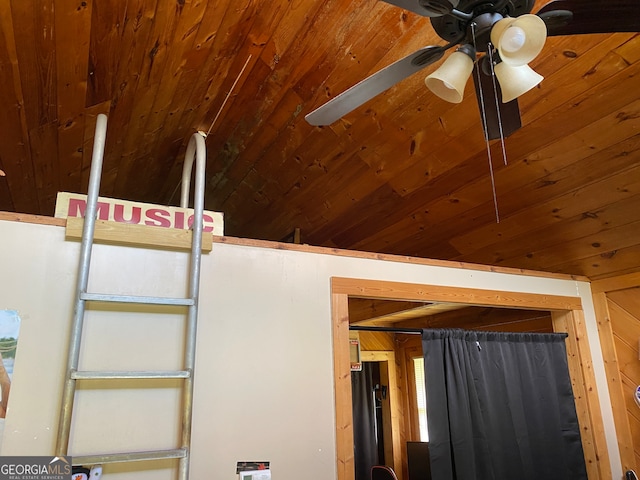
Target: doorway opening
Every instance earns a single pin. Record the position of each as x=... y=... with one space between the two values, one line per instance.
x=563 y=314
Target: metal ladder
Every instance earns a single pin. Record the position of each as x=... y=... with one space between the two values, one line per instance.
x=196 y=148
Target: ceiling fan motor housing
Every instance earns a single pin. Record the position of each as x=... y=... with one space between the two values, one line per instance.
x=483 y=15
x=479 y=30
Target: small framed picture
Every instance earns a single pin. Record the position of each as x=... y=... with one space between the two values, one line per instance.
x=354 y=354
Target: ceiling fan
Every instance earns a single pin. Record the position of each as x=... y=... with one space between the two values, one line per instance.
x=508 y=34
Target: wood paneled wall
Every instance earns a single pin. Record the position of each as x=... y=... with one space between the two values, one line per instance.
x=617 y=302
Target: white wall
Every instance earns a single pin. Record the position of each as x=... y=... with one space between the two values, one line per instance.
x=264 y=381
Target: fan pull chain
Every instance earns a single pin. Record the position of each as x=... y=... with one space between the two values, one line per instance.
x=485 y=127
x=495 y=96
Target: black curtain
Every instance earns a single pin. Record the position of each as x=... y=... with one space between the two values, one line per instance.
x=500 y=407
x=364 y=420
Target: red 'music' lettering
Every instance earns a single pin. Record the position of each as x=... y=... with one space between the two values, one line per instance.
x=158 y=217
x=122 y=213
x=118 y=214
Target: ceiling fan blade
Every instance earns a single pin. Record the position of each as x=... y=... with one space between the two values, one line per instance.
x=575 y=17
x=375 y=84
x=508 y=120
x=435 y=8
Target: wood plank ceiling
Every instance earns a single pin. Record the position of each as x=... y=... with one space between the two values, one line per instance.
x=407 y=173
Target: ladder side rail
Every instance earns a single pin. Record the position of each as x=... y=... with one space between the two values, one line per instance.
x=64 y=423
x=197 y=148
x=187 y=169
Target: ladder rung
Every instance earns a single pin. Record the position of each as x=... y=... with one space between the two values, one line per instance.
x=128 y=457
x=99 y=375
x=101 y=297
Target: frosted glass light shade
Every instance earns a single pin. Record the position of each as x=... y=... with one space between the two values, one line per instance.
x=515 y=80
x=519 y=40
x=449 y=80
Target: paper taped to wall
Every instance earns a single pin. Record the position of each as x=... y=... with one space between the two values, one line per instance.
x=255 y=475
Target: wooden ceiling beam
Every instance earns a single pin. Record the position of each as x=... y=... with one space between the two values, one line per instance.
x=361 y=309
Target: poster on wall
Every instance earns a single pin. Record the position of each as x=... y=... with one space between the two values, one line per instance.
x=9 y=329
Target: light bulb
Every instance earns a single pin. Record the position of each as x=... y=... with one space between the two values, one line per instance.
x=513 y=39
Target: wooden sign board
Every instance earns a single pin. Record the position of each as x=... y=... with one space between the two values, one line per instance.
x=73 y=205
x=137 y=224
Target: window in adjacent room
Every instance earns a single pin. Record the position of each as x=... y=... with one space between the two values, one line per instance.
x=418 y=368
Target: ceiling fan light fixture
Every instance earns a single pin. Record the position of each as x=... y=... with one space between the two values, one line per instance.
x=448 y=81
x=519 y=40
x=513 y=39
x=515 y=80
